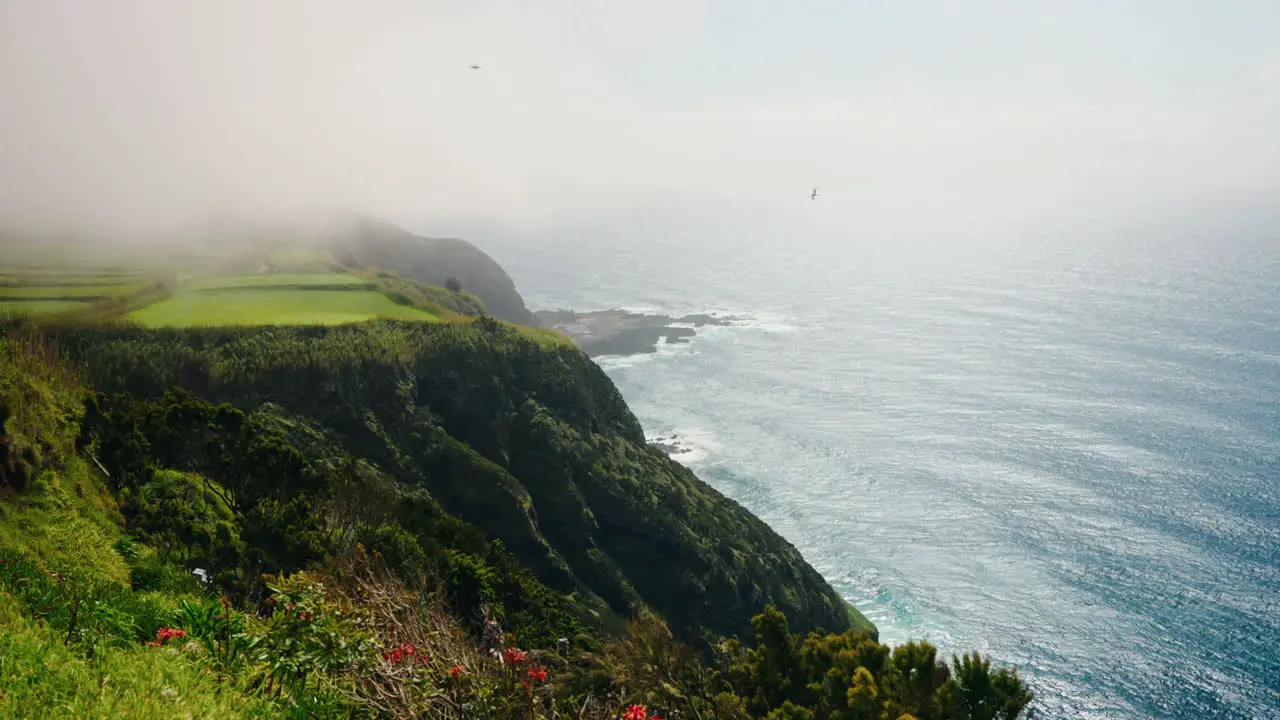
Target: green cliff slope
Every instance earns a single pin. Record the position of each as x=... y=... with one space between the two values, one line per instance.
x=338 y=587
x=532 y=444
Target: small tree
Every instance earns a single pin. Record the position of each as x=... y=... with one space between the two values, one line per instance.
x=451 y=284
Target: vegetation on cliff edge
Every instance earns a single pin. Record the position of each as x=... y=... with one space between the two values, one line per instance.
x=385 y=513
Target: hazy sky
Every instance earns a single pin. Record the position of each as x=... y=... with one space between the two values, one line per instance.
x=919 y=115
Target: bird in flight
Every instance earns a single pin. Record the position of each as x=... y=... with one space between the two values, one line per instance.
x=475 y=67
x=814 y=195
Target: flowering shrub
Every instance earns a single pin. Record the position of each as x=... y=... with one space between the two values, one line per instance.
x=165 y=634
x=405 y=651
x=639 y=712
x=513 y=656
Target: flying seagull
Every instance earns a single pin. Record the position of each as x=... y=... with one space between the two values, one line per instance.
x=814 y=195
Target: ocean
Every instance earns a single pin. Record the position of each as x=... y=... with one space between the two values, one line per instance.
x=1064 y=455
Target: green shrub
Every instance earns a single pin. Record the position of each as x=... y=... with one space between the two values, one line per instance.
x=400 y=550
x=217 y=627
x=471 y=587
x=849 y=675
x=305 y=639
x=185 y=517
x=149 y=572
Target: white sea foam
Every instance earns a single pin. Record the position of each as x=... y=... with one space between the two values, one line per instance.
x=662 y=350
x=763 y=321
x=688 y=446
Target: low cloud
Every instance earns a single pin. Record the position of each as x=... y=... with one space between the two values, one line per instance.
x=144 y=112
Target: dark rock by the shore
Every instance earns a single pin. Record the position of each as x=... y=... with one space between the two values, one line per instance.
x=618 y=332
x=669 y=444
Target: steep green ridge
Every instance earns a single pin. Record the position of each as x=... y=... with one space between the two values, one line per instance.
x=372 y=243
x=532 y=444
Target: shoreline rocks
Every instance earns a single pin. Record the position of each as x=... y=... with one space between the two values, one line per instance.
x=619 y=332
x=670 y=445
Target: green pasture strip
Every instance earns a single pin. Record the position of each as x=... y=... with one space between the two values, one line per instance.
x=274 y=280
x=64 y=292
x=274 y=307
x=307 y=287
x=72 y=270
x=39 y=307
x=66 y=282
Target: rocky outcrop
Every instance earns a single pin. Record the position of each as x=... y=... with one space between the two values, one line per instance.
x=619 y=332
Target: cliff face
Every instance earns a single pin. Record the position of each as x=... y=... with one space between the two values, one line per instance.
x=369 y=242
x=529 y=442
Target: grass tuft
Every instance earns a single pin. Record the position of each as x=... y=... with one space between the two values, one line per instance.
x=42 y=678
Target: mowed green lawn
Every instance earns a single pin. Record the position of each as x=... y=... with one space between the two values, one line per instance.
x=256 y=306
x=231 y=282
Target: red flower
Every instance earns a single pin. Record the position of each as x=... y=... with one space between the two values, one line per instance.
x=636 y=712
x=457 y=670
x=405 y=650
x=537 y=673
x=513 y=656
x=164 y=635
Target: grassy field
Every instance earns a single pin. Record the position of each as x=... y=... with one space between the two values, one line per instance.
x=39 y=307
x=253 y=306
x=58 y=292
x=46 y=289
x=70 y=279
x=278 y=280
x=307 y=288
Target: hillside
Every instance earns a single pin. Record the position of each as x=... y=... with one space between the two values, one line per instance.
x=370 y=242
x=378 y=499
x=532 y=445
x=511 y=429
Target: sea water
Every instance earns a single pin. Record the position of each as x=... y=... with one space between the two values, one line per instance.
x=1064 y=455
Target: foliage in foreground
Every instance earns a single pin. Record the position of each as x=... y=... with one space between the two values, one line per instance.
x=348 y=639
x=42 y=676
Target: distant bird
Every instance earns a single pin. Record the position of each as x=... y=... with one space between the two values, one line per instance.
x=475 y=67
x=814 y=195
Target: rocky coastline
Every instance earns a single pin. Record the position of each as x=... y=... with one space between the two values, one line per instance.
x=620 y=332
